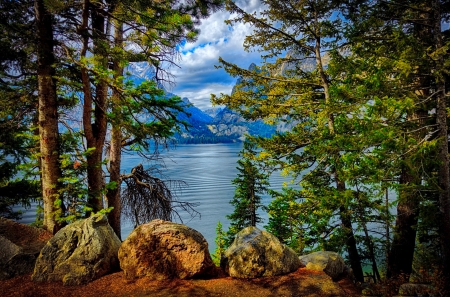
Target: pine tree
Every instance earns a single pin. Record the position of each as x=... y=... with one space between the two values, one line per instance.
x=18 y=185
x=294 y=85
x=250 y=184
x=221 y=244
x=403 y=40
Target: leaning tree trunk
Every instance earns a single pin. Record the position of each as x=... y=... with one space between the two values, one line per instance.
x=113 y=195
x=48 y=116
x=350 y=241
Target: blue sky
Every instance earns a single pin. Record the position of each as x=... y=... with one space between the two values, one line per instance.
x=197 y=77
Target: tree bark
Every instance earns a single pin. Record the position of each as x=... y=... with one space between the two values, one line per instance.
x=401 y=255
x=115 y=151
x=443 y=173
x=95 y=132
x=48 y=116
x=350 y=241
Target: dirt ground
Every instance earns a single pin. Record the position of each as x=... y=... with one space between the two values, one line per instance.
x=302 y=282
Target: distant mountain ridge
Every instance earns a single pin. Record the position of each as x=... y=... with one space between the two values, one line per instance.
x=215 y=125
x=226 y=126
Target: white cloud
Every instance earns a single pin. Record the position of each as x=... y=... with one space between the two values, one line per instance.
x=197 y=77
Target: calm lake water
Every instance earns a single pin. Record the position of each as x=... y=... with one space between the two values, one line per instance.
x=208 y=170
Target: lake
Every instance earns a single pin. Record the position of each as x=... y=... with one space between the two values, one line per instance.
x=208 y=170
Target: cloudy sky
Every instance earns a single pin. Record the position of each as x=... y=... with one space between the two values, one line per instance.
x=197 y=77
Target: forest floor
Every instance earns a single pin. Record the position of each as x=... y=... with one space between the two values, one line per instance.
x=302 y=282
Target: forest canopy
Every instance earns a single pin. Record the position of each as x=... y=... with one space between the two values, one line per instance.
x=364 y=86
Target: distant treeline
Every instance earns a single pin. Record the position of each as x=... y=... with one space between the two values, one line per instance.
x=206 y=140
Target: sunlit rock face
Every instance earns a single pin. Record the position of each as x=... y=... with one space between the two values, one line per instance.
x=329 y=262
x=165 y=250
x=79 y=253
x=256 y=253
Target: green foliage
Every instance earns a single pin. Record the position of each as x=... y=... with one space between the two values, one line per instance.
x=250 y=184
x=18 y=185
x=221 y=244
x=285 y=219
x=360 y=116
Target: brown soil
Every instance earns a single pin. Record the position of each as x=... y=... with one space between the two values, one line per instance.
x=302 y=282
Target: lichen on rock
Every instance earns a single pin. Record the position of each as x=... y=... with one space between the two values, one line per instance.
x=79 y=253
x=256 y=253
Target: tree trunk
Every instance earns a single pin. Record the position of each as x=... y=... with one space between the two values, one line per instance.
x=350 y=240
x=95 y=132
x=402 y=248
x=401 y=255
x=443 y=173
x=113 y=195
x=48 y=116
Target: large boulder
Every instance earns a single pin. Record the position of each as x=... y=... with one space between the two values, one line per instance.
x=255 y=253
x=19 y=247
x=411 y=289
x=165 y=250
x=329 y=262
x=79 y=253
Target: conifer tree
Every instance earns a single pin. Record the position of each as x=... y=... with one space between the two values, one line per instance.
x=17 y=106
x=294 y=85
x=402 y=40
x=250 y=184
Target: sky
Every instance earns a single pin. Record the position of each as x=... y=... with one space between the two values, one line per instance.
x=197 y=78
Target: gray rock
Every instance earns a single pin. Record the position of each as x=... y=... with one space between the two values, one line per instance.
x=329 y=262
x=255 y=253
x=19 y=247
x=165 y=250
x=79 y=253
x=410 y=289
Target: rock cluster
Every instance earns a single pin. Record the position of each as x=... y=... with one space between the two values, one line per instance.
x=165 y=250
x=88 y=249
x=19 y=247
x=255 y=253
x=79 y=253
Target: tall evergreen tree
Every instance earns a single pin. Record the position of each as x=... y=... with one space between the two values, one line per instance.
x=250 y=184
x=403 y=42
x=48 y=116
x=296 y=87
x=17 y=105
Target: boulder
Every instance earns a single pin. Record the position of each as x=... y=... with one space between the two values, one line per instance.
x=79 y=253
x=329 y=262
x=255 y=253
x=411 y=289
x=19 y=247
x=165 y=250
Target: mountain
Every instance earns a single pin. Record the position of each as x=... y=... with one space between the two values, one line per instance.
x=226 y=126
x=215 y=125
x=213 y=111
